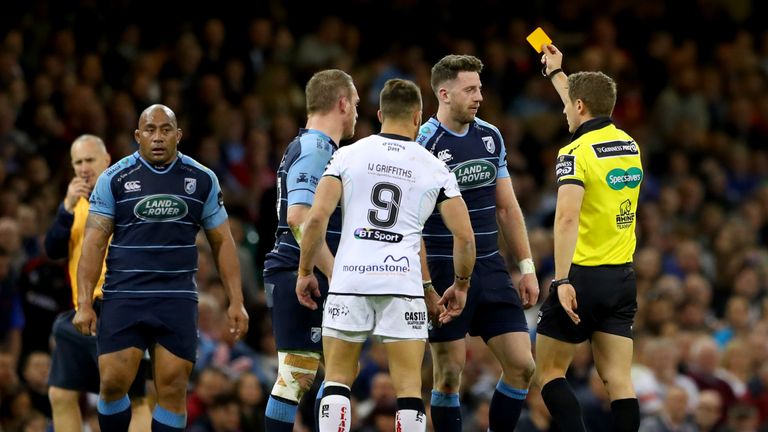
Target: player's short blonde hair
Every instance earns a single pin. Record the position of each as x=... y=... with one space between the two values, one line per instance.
x=325 y=88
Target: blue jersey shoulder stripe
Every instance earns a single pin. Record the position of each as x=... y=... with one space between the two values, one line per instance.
x=427 y=131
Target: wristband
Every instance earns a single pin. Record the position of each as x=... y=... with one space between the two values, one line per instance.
x=526 y=266
x=557 y=282
x=427 y=284
x=554 y=72
x=462 y=279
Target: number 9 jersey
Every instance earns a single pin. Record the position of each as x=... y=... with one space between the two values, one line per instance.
x=390 y=185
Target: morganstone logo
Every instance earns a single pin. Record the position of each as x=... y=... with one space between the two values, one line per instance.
x=474 y=173
x=160 y=208
x=390 y=266
x=617 y=178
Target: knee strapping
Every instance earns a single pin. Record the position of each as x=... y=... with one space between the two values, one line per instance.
x=295 y=374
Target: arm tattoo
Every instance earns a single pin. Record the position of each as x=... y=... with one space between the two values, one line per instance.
x=101 y=223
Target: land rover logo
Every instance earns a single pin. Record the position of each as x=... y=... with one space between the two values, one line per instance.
x=617 y=178
x=160 y=208
x=474 y=173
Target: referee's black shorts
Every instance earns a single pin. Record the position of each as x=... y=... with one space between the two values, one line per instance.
x=606 y=298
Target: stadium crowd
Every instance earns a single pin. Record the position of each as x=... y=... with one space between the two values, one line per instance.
x=693 y=80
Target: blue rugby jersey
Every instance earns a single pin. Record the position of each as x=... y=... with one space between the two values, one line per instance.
x=300 y=170
x=157 y=214
x=477 y=159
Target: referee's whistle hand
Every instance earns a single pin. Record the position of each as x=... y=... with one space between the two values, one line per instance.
x=567 y=296
x=306 y=288
x=85 y=320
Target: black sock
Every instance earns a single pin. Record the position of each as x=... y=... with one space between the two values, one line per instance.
x=446 y=411
x=563 y=405
x=625 y=415
x=506 y=404
x=114 y=415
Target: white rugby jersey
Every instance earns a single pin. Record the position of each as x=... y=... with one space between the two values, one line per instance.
x=390 y=187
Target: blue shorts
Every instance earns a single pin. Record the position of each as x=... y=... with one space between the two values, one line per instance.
x=493 y=304
x=296 y=327
x=75 y=365
x=143 y=322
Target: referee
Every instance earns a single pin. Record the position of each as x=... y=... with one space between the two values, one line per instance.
x=594 y=292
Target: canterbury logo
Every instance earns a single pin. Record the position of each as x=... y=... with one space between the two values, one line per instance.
x=132 y=186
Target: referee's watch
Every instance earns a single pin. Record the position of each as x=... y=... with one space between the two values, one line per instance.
x=557 y=282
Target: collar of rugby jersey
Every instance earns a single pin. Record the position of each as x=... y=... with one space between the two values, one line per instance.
x=303 y=131
x=394 y=136
x=591 y=125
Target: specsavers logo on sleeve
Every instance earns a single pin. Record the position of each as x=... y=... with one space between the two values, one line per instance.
x=160 y=208
x=474 y=173
x=618 y=179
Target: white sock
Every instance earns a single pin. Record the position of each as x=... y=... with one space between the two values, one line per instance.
x=335 y=408
x=411 y=421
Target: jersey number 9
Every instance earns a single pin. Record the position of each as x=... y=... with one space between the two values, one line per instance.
x=386 y=198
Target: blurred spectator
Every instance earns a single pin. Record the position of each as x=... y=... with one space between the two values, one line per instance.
x=210 y=383
x=705 y=359
x=9 y=380
x=11 y=314
x=742 y=418
x=382 y=394
x=35 y=372
x=223 y=415
x=708 y=411
x=662 y=357
x=380 y=419
x=250 y=395
x=673 y=416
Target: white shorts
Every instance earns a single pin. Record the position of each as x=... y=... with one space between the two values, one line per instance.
x=353 y=318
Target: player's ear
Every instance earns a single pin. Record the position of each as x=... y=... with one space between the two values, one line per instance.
x=380 y=116
x=581 y=108
x=416 y=117
x=178 y=135
x=443 y=94
x=137 y=135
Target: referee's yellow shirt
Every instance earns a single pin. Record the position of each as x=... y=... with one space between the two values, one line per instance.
x=606 y=162
x=76 y=236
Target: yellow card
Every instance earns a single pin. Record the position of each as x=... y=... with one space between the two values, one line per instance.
x=537 y=38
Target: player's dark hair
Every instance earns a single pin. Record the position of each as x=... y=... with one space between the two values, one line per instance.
x=399 y=99
x=448 y=68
